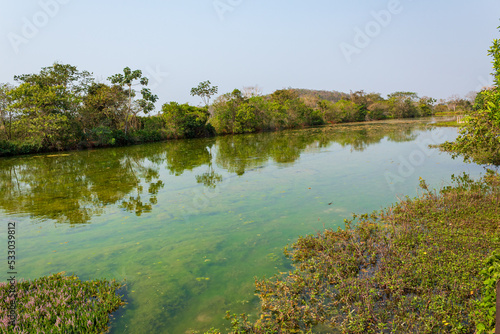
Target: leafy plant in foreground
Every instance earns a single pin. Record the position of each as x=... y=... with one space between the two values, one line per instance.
x=60 y=304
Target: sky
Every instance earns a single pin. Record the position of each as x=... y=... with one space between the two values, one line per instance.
x=434 y=48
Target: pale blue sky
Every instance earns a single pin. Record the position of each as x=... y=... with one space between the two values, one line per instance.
x=435 y=48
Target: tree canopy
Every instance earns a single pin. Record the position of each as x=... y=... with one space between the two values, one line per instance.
x=205 y=91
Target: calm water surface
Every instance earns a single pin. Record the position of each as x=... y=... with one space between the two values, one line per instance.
x=189 y=224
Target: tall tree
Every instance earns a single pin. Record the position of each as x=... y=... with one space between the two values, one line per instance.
x=48 y=104
x=205 y=91
x=57 y=89
x=129 y=79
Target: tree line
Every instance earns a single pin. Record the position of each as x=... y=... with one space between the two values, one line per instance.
x=62 y=108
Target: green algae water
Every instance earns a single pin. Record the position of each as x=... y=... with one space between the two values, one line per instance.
x=187 y=225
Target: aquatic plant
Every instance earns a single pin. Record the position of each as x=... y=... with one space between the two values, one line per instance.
x=58 y=304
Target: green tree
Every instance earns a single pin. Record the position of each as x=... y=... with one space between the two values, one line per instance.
x=57 y=89
x=205 y=91
x=103 y=105
x=232 y=113
x=287 y=110
x=426 y=106
x=403 y=104
x=48 y=104
x=341 y=111
x=479 y=138
x=6 y=112
x=185 y=121
x=378 y=110
x=127 y=80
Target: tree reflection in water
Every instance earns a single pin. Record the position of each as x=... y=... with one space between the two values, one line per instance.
x=73 y=187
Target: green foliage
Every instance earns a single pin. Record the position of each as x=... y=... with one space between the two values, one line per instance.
x=341 y=111
x=232 y=113
x=486 y=306
x=403 y=105
x=245 y=119
x=6 y=112
x=412 y=268
x=205 y=91
x=46 y=132
x=494 y=52
x=60 y=304
x=479 y=138
x=226 y=116
x=57 y=89
x=481 y=100
x=185 y=121
x=378 y=111
x=426 y=106
x=9 y=148
x=102 y=136
x=62 y=108
x=127 y=80
x=103 y=105
x=45 y=107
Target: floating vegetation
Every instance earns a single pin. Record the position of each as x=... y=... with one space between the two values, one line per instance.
x=59 y=304
x=199 y=279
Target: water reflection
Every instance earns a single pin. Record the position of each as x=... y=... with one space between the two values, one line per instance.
x=72 y=188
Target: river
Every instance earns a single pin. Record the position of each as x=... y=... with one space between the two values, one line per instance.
x=188 y=224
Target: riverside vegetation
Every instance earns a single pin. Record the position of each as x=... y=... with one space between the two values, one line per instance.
x=59 y=304
x=424 y=265
x=62 y=108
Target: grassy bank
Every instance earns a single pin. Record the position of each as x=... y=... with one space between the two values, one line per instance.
x=424 y=265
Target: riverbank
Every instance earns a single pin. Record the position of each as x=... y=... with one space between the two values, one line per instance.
x=62 y=108
x=119 y=139
x=420 y=266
